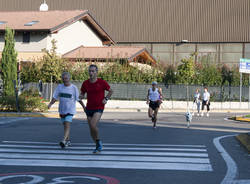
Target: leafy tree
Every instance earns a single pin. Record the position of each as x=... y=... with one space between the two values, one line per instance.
x=9 y=63
x=186 y=71
x=226 y=75
x=170 y=76
x=52 y=65
x=210 y=75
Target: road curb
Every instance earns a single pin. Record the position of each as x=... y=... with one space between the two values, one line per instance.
x=47 y=115
x=244 y=139
x=242 y=119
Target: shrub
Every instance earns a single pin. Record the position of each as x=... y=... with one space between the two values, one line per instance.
x=29 y=101
x=186 y=71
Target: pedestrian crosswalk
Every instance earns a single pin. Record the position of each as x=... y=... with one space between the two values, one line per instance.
x=122 y=156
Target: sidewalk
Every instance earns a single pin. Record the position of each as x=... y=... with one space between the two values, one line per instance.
x=141 y=106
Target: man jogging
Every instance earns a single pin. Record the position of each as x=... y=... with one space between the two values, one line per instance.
x=154 y=99
x=96 y=100
x=67 y=94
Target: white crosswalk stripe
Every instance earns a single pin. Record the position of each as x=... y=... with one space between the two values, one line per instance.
x=122 y=156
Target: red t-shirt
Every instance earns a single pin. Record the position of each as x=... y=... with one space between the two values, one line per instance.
x=95 y=93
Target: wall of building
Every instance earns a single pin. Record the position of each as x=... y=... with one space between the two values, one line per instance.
x=38 y=41
x=228 y=53
x=73 y=36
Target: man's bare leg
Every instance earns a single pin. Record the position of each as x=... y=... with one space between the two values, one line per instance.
x=155 y=117
x=93 y=121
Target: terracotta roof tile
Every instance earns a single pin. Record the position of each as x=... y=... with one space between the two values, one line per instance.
x=112 y=52
x=48 y=20
x=104 y=52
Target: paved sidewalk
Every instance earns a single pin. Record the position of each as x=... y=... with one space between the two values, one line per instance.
x=140 y=106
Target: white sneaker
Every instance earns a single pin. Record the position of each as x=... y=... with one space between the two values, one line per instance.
x=193 y=114
x=207 y=114
x=202 y=114
x=198 y=114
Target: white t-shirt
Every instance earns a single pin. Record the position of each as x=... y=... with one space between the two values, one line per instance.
x=67 y=96
x=154 y=95
x=206 y=96
x=197 y=97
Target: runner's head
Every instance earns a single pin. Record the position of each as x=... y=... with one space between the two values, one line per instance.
x=205 y=89
x=93 y=71
x=154 y=84
x=66 y=78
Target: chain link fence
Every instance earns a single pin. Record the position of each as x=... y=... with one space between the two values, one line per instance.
x=124 y=91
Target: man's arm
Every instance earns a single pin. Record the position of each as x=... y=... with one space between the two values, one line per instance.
x=81 y=96
x=51 y=102
x=148 y=98
x=161 y=96
x=110 y=92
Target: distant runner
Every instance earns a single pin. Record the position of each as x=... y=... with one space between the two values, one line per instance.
x=154 y=99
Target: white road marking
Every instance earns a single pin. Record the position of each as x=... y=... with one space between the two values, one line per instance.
x=107 y=148
x=109 y=164
x=143 y=157
x=68 y=151
x=14 y=120
x=107 y=157
x=232 y=169
x=112 y=144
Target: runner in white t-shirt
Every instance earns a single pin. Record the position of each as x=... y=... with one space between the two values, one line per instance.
x=67 y=94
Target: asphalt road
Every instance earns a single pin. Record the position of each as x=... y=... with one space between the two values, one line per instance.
x=134 y=152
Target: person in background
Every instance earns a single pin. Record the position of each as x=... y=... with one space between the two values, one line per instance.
x=196 y=102
x=154 y=99
x=205 y=101
x=67 y=94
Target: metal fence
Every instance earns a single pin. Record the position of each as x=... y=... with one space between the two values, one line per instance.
x=126 y=91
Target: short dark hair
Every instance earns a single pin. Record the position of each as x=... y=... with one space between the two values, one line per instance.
x=92 y=65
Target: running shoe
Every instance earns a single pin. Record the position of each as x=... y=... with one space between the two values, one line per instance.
x=67 y=143
x=62 y=144
x=98 y=147
x=153 y=119
x=207 y=114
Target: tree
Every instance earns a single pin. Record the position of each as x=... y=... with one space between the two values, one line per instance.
x=52 y=65
x=9 y=63
x=186 y=71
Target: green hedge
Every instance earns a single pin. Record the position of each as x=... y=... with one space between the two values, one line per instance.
x=188 y=72
x=29 y=101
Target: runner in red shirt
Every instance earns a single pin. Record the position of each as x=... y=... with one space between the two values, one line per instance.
x=96 y=100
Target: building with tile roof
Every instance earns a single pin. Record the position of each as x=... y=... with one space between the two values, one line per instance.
x=218 y=30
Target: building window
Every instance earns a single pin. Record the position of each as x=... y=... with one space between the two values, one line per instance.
x=31 y=23
x=2 y=22
x=231 y=53
x=26 y=37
